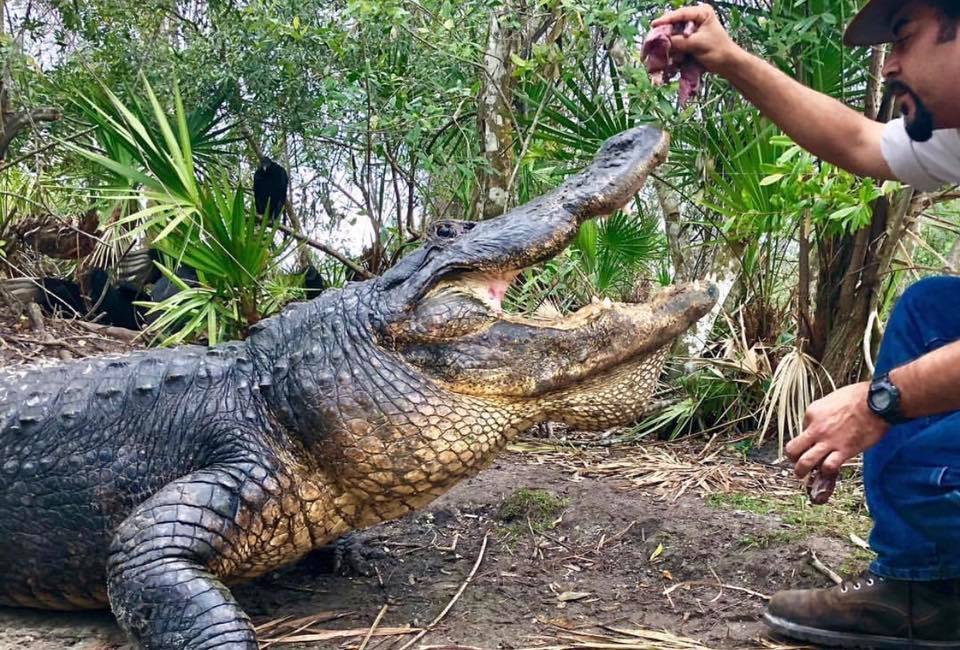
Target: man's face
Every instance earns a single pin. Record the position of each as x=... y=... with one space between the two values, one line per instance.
x=921 y=71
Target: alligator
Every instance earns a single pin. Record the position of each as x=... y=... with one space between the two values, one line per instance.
x=151 y=481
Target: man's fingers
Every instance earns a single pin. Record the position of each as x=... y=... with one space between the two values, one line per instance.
x=798 y=445
x=810 y=459
x=831 y=466
x=686 y=14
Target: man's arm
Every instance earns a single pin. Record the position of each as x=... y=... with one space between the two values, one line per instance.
x=817 y=122
x=931 y=384
x=841 y=425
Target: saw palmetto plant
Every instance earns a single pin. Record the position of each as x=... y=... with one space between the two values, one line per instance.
x=188 y=207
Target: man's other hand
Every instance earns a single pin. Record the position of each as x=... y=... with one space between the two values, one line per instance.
x=708 y=42
x=835 y=429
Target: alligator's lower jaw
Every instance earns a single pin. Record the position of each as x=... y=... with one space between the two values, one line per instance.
x=522 y=358
x=615 y=397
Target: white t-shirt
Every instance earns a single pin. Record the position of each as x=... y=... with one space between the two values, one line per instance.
x=927 y=166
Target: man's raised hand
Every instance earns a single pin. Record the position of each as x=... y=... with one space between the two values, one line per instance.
x=706 y=41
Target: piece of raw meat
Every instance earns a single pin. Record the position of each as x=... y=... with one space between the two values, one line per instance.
x=662 y=66
x=819 y=487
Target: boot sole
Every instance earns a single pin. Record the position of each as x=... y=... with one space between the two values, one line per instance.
x=849 y=640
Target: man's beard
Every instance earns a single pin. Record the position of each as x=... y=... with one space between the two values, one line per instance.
x=920 y=121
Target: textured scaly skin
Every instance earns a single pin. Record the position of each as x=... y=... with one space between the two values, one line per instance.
x=151 y=481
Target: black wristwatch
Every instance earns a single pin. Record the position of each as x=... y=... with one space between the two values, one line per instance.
x=884 y=400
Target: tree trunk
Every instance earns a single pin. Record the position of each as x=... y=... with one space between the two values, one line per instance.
x=677 y=244
x=851 y=266
x=723 y=270
x=495 y=114
x=850 y=287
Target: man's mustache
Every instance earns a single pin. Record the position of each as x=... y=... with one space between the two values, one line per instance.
x=897 y=87
x=920 y=122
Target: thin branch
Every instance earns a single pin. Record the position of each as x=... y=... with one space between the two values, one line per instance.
x=456 y=597
x=326 y=249
x=30 y=154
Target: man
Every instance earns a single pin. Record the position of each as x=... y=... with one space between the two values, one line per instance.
x=907 y=419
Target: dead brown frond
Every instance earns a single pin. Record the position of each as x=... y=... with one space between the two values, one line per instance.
x=668 y=471
x=621 y=638
x=796 y=383
x=752 y=360
x=604 y=636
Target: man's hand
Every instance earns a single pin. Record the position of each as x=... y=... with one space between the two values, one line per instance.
x=835 y=429
x=708 y=43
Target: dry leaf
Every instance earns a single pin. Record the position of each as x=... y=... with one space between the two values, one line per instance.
x=568 y=596
x=657 y=553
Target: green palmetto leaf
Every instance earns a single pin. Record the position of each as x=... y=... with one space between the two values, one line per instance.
x=579 y=122
x=204 y=225
x=614 y=250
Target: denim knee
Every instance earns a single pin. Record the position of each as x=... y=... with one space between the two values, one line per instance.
x=926 y=317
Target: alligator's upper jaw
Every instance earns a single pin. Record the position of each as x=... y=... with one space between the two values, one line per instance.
x=465 y=343
x=534 y=232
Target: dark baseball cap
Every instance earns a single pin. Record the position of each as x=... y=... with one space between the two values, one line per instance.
x=873 y=25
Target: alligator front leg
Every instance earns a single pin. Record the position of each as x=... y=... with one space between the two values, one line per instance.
x=161 y=582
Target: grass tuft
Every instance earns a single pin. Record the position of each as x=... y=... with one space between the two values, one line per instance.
x=528 y=509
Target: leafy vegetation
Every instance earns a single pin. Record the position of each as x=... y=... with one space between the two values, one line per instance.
x=392 y=114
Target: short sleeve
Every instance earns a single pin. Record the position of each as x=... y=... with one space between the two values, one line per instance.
x=927 y=166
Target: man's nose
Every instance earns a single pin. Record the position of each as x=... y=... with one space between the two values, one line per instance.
x=891 y=66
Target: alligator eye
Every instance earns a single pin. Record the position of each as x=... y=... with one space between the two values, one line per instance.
x=451 y=229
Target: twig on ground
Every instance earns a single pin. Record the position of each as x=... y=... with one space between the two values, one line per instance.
x=824 y=569
x=121 y=333
x=710 y=583
x=456 y=596
x=859 y=542
x=376 y=622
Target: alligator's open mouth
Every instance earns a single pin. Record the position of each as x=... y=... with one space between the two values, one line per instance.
x=461 y=334
x=447 y=310
x=489 y=288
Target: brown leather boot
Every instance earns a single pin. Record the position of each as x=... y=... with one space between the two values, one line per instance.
x=871 y=612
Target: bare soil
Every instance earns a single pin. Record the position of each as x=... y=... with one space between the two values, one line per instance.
x=607 y=557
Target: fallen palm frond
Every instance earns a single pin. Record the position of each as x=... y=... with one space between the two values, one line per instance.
x=603 y=637
x=668 y=471
x=328 y=635
x=623 y=639
x=301 y=630
x=796 y=383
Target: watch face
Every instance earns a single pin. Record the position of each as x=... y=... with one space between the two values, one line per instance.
x=881 y=400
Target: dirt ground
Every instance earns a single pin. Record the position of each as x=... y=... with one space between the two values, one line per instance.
x=680 y=539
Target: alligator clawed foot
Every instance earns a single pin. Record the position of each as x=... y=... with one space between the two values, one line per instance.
x=351 y=555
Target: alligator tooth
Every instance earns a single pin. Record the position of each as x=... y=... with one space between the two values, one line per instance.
x=594 y=300
x=607 y=303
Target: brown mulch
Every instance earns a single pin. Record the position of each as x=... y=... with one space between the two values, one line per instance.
x=26 y=341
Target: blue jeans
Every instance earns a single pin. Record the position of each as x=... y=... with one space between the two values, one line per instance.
x=912 y=477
